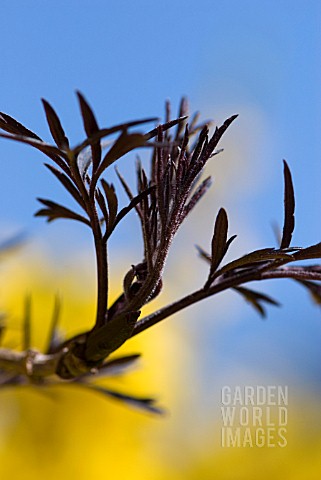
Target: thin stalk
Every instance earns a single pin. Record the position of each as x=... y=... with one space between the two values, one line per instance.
x=100 y=246
x=102 y=279
x=225 y=284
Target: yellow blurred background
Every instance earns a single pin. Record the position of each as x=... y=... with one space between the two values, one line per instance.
x=67 y=432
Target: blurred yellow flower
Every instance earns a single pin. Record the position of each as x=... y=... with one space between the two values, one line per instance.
x=69 y=432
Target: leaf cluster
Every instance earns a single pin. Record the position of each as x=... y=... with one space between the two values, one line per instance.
x=180 y=149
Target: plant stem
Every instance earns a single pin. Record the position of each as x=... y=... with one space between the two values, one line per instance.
x=17 y=362
x=100 y=245
x=102 y=279
x=152 y=280
x=224 y=284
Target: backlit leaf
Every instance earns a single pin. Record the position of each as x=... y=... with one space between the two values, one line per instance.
x=219 y=240
x=112 y=202
x=145 y=404
x=91 y=128
x=56 y=129
x=10 y=125
x=164 y=127
x=258 y=256
x=54 y=211
x=67 y=183
x=124 y=144
x=310 y=252
x=314 y=290
x=105 y=132
x=256 y=299
x=289 y=206
x=133 y=204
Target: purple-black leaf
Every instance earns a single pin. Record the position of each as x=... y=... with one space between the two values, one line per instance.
x=164 y=127
x=124 y=144
x=105 y=132
x=118 y=365
x=56 y=129
x=67 y=183
x=197 y=195
x=256 y=299
x=115 y=366
x=124 y=185
x=146 y=404
x=310 y=252
x=202 y=140
x=55 y=211
x=219 y=240
x=289 y=206
x=102 y=204
x=10 y=125
x=183 y=113
x=51 y=151
x=219 y=131
x=91 y=128
x=112 y=202
x=314 y=290
x=128 y=281
x=133 y=204
x=258 y=256
x=228 y=243
x=123 y=360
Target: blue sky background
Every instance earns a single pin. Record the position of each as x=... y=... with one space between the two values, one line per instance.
x=259 y=59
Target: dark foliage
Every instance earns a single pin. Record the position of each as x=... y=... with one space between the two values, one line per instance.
x=164 y=199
